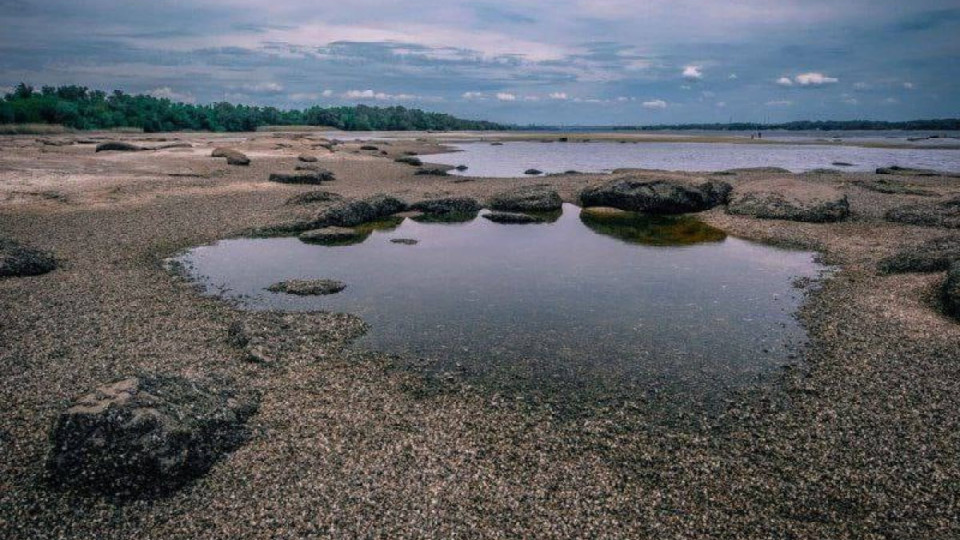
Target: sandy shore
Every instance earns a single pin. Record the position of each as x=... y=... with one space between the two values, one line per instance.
x=860 y=440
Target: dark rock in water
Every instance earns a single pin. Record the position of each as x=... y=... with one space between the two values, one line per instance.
x=405 y=241
x=384 y=205
x=512 y=217
x=311 y=197
x=791 y=200
x=118 y=146
x=369 y=147
x=17 y=260
x=931 y=256
x=533 y=172
x=527 y=199
x=409 y=160
x=656 y=196
x=234 y=157
x=449 y=205
x=146 y=434
x=308 y=287
x=906 y=171
x=841 y=164
x=333 y=236
x=432 y=171
x=894 y=187
x=461 y=168
x=951 y=290
x=496 y=144
x=307 y=158
x=647 y=229
x=944 y=214
x=302 y=177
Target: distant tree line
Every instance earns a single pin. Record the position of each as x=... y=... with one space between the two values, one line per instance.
x=81 y=108
x=943 y=124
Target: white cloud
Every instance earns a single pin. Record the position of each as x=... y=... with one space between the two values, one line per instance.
x=310 y=96
x=785 y=81
x=168 y=93
x=558 y=95
x=851 y=101
x=655 y=104
x=909 y=85
x=379 y=96
x=780 y=103
x=861 y=85
x=732 y=76
x=504 y=96
x=814 y=79
x=721 y=104
x=472 y=95
x=263 y=88
x=692 y=72
x=327 y=93
x=891 y=101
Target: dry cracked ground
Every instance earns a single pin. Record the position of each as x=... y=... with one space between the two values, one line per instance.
x=860 y=439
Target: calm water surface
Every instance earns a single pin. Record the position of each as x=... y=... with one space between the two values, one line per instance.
x=590 y=307
x=513 y=158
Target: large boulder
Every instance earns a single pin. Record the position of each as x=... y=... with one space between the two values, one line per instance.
x=234 y=157
x=931 y=256
x=18 y=260
x=944 y=214
x=118 y=146
x=356 y=212
x=951 y=290
x=789 y=199
x=527 y=199
x=448 y=205
x=148 y=433
x=656 y=196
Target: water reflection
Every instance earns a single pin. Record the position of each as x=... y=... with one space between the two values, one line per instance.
x=649 y=230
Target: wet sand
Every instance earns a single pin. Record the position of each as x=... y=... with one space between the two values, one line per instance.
x=859 y=439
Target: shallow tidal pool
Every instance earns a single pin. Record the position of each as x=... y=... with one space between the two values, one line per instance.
x=591 y=306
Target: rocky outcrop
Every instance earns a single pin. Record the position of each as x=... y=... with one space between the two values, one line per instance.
x=308 y=287
x=147 y=433
x=789 y=199
x=951 y=290
x=512 y=217
x=526 y=199
x=657 y=196
x=312 y=177
x=449 y=205
x=234 y=157
x=312 y=197
x=332 y=236
x=934 y=255
x=384 y=205
x=118 y=146
x=18 y=260
x=944 y=214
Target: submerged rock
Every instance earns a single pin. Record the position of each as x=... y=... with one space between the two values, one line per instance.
x=533 y=172
x=512 y=217
x=931 y=256
x=461 y=168
x=657 y=196
x=315 y=176
x=448 y=205
x=951 y=290
x=149 y=433
x=333 y=236
x=17 y=260
x=405 y=241
x=790 y=199
x=308 y=287
x=118 y=147
x=311 y=197
x=527 y=199
x=234 y=157
x=944 y=214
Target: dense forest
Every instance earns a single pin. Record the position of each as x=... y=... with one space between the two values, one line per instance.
x=81 y=108
x=945 y=124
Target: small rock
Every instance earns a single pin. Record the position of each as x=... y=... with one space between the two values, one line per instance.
x=313 y=177
x=234 y=157
x=432 y=171
x=405 y=241
x=308 y=287
x=409 y=160
x=461 y=168
x=533 y=172
x=527 y=199
x=332 y=236
x=449 y=205
x=149 y=433
x=369 y=147
x=307 y=158
x=841 y=164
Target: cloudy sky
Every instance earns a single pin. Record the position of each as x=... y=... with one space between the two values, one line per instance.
x=520 y=61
